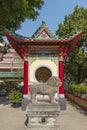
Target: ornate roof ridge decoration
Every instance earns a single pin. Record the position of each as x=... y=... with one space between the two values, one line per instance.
x=42 y=28
x=22 y=39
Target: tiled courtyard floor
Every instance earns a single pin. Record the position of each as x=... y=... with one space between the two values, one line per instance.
x=73 y=118
x=13 y=118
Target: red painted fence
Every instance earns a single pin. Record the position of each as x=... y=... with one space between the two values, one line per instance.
x=77 y=99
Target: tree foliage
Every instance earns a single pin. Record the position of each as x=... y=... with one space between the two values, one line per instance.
x=9 y=85
x=76 y=65
x=76 y=62
x=12 y=13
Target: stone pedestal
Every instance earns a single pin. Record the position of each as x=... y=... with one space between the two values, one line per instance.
x=43 y=116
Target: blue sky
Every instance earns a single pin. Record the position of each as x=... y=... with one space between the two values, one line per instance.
x=53 y=13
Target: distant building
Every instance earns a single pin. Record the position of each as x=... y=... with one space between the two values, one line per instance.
x=10 y=65
x=11 y=62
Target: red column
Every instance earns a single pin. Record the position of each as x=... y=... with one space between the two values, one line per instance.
x=61 y=76
x=25 y=78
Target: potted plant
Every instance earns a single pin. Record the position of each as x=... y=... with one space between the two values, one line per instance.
x=15 y=98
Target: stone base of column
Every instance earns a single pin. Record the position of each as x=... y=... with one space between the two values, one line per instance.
x=62 y=103
x=25 y=103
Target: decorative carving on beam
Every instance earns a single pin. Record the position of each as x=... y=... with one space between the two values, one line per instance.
x=63 y=51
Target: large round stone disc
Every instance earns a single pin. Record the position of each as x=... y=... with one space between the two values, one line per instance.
x=43 y=74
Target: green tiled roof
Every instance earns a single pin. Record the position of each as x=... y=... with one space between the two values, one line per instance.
x=46 y=29
x=36 y=35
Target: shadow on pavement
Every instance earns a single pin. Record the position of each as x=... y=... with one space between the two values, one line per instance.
x=4 y=100
x=82 y=111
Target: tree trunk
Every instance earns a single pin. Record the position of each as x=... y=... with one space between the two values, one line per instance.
x=79 y=73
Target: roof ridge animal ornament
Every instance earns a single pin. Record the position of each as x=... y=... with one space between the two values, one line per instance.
x=49 y=88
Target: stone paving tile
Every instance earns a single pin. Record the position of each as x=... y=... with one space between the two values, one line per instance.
x=72 y=118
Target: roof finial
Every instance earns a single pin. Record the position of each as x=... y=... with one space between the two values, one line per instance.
x=43 y=22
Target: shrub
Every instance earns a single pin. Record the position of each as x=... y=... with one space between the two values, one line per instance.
x=78 y=89
x=15 y=97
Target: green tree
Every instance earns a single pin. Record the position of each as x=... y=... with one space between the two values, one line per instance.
x=12 y=13
x=76 y=65
x=76 y=62
x=9 y=85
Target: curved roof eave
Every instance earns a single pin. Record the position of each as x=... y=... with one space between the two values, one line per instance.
x=17 y=39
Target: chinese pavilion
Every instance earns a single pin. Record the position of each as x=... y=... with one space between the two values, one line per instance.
x=43 y=55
